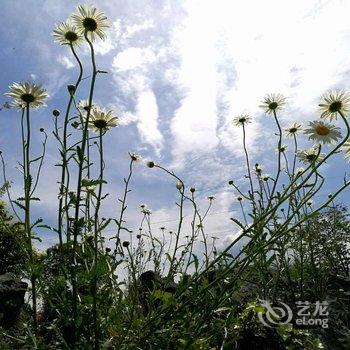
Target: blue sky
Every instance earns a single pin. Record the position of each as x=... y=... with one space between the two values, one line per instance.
x=179 y=71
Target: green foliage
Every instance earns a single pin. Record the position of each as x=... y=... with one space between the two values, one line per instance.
x=12 y=244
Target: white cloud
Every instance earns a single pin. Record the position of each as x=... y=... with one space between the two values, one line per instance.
x=133 y=57
x=277 y=47
x=103 y=47
x=147 y=114
x=65 y=61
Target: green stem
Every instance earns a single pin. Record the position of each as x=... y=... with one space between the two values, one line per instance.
x=63 y=186
x=27 y=186
x=81 y=160
x=96 y=234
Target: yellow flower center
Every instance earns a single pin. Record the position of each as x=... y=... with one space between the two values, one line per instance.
x=28 y=98
x=335 y=106
x=273 y=105
x=311 y=157
x=322 y=130
x=100 y=123
x=89 y=24
x=71 y=36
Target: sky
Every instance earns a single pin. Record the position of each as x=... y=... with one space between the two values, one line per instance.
x=178 y=72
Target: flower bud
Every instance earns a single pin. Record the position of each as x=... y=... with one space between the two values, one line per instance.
x=71 y=89
x=179 y=185
x=56 y=112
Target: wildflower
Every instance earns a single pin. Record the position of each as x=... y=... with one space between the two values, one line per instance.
x=27 y=94
x=151 y=164
x=138 y=236
x=144 y=209
x=310 y=155
x=309 y=202
x=299 y=171
x=192 y=189
x=66 y=33
x=346 y=149
x=135 y=157
x=101 y=120
x=282 y=148
x=211 y=198
x=90 y=189
x=323 y=132
x=90 y=21
x=239 y=198
x=84 y=105
x=335 y=102
x=293 y=129
x=258 y=168
x=242 y=120
x=273 y=103
x=265 y=177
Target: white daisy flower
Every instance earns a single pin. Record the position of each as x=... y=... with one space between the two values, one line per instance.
x=265 y=177
x=293 y=129
x=27 y=93
x=102 y=120
x=273 y=103
x=346 y=149
x=310 y=155
x=83 y=106
x=135 y=157
x=66 y=33
x=282 y=148
x=299 y=171
x=335 y=102
x=258 y=168
x=322 y=132
x=88 y=19
x=242 y=120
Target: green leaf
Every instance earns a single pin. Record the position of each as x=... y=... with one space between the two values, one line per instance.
x=48 y=227
x=19 y=205
x=88 y=182
x=36 y=223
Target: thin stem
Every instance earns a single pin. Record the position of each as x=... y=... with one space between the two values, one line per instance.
x=64 y=187
x=81 y=159
x=96 y=234
x=27 y=186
